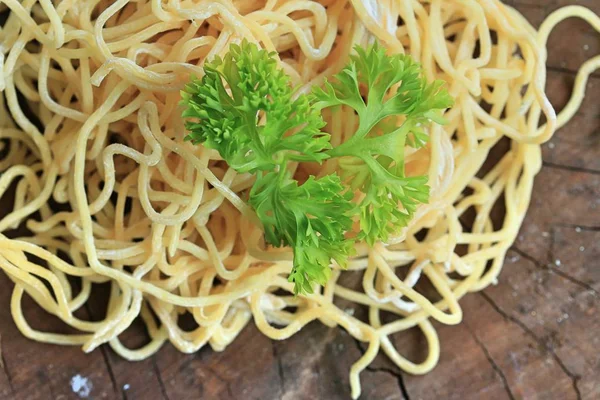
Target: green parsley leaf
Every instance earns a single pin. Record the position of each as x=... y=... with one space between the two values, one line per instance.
x=244 y=107
x=395 y=88
x=312 y=218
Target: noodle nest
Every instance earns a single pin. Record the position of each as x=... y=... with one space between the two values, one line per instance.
x=92 y=146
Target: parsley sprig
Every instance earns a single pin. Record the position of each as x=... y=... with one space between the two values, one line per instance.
x=245 y=108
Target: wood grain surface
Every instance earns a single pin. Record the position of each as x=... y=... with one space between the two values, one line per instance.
x=535 y=335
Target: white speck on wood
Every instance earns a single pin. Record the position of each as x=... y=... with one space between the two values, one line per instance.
x=82 y=386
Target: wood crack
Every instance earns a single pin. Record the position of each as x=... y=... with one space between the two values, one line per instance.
x=577 y=227
x=574 y=378
x=4 y=367
x=570 y=168
x=554 y=270
x=111 y=373
x=161 y=383
x=397 y=375
x=104 y=352
x=551 y=256
x=568 y=71
x=280 y=371
x=495 y=366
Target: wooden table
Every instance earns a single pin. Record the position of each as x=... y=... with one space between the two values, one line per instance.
x=536 y=335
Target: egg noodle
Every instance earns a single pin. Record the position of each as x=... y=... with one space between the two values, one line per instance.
x=110 y=192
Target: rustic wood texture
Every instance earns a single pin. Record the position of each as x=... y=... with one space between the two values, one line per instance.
x=536 y=335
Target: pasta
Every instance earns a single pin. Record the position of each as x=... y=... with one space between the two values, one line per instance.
x=92 y=146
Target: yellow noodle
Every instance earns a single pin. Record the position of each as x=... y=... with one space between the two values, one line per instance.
x=164 y=221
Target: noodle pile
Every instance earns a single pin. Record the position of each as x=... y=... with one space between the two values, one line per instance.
x=110 y=192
